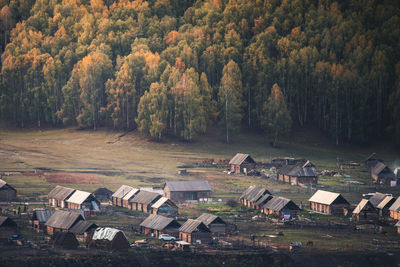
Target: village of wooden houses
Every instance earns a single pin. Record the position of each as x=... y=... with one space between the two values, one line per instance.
x=164 y=219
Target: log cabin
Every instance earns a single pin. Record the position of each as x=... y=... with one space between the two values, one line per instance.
x=62 y=221
x=119 y=194
x=58 y=196
x=365 y=212
x=328 y=203
x=241 y=163
x=39 y=219
x=180 y=191
x=298 y=174
x=158 y=225
x=194 y=231
x=7 y=192
x=143 y=201
x=164 y=206
x=83 y=200
x=251 y=195
x=395 y=209
x=83 y=231
x=213 y=222
x=126 y=200
x=281 y=207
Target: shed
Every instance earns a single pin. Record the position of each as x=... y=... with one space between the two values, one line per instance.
x=298 y=174
x=84 y=230
x=119 y=194
x=128 y=197
x=328 y=203
x=39 y=218
x=83 y=200
x=213 y=222
x=7 y=192
x=365 y=212
x=8 y=228
x=251 y=195
x=381 y=173
x=103 y=194
x=280 y=206
x=241 y=163
x=59 y=195
x=62 y=221
x=64 y=240
x=158 y=225
x=164 y=206
x=187 y=190
x=395 y=209
x=194 y=231
x=143 y=201
x=109 y=239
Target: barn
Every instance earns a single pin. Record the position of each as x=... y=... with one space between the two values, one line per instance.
x=109 y=239
x=7 y=192
x=39 y=218
x=83 y=200
x=8 y=228
x=158 y=225
x=64 y=240
x=164 y=206
x=62 y=221
x=179 y=191
x=251 y=195
x=213 y=222
x=58 y=196
x=395 y=209
x=128 y=197
x=298 y=174
x=241 y=163
x=143 y=201
x=194 y=231
x=365 y=212
x=328 y=203
x=83 y=230
x=280 y=206
x=119 y=194
x=103 y=194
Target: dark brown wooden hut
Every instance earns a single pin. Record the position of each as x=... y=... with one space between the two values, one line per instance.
x=179 y=191
x=59 y=195
x=194 y=231
x=280 y=206
x=103 y=194
x=365 y=212
x=7 y=192
x=213 y=222
x=158 y=225
x=241 y=163
x=62 y=221
x=39 y=219
x=251 y=195
x=83 y=231
x=298 y=174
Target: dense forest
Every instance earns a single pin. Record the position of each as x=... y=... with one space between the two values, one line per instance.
x=178 y=67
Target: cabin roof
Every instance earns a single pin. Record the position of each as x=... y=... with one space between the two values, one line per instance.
x=145 y=197
x=364 y=203
x=239 y=158
x=78 y=197
x=279 y=203
x=385 y=202
x=161 y=202
x=63 y=219
x=208 y=219
x=122 y=191
x=130 y=194
x=187 y=186
x=396 y=205
x=42 y=215
x=254 y=193
x=61 y=192
x=326 y=197
x=157 y=222
x=82 y=226
x=376 y=199
x=192 y=225
x=307 y=170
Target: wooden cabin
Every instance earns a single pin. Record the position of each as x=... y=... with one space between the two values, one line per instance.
x=164 y=206
x=83 y=200
x=382 y=174
x=103 y=194
x=395 y=209
x=119 y=194
x=109 y=239
x=180 y=191
x=251 y=195
x=143 y=201
x=83 y=231
x=7 y=192
x=128 y=197
x=58 y=196
x=241 y=163
x=62 y=221
x=262 y=201
x=328 y=203
x=397 y=225
x=365 y=212
x=298 y=174
x=280 y=206
x=213 y=222
x=8 y=228
x=39 y=219
x=384 y=205
x=158 y=225
x=194 y=231
x=64 y=240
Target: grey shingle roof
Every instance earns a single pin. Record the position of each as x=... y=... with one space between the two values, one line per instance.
x=144 y=197
x=42 y=215
x=122 y=191
x=83 y=226
x=298 y=171
x=185 y=186
x=376 y=199
x=63 y=219
x=191 y=226
x=396 y=205
x=207 y=219
x=254 y=193
x=264 y=199
x=280 y=203
x=159 y=222
x=239 y=158
x=61 y=192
